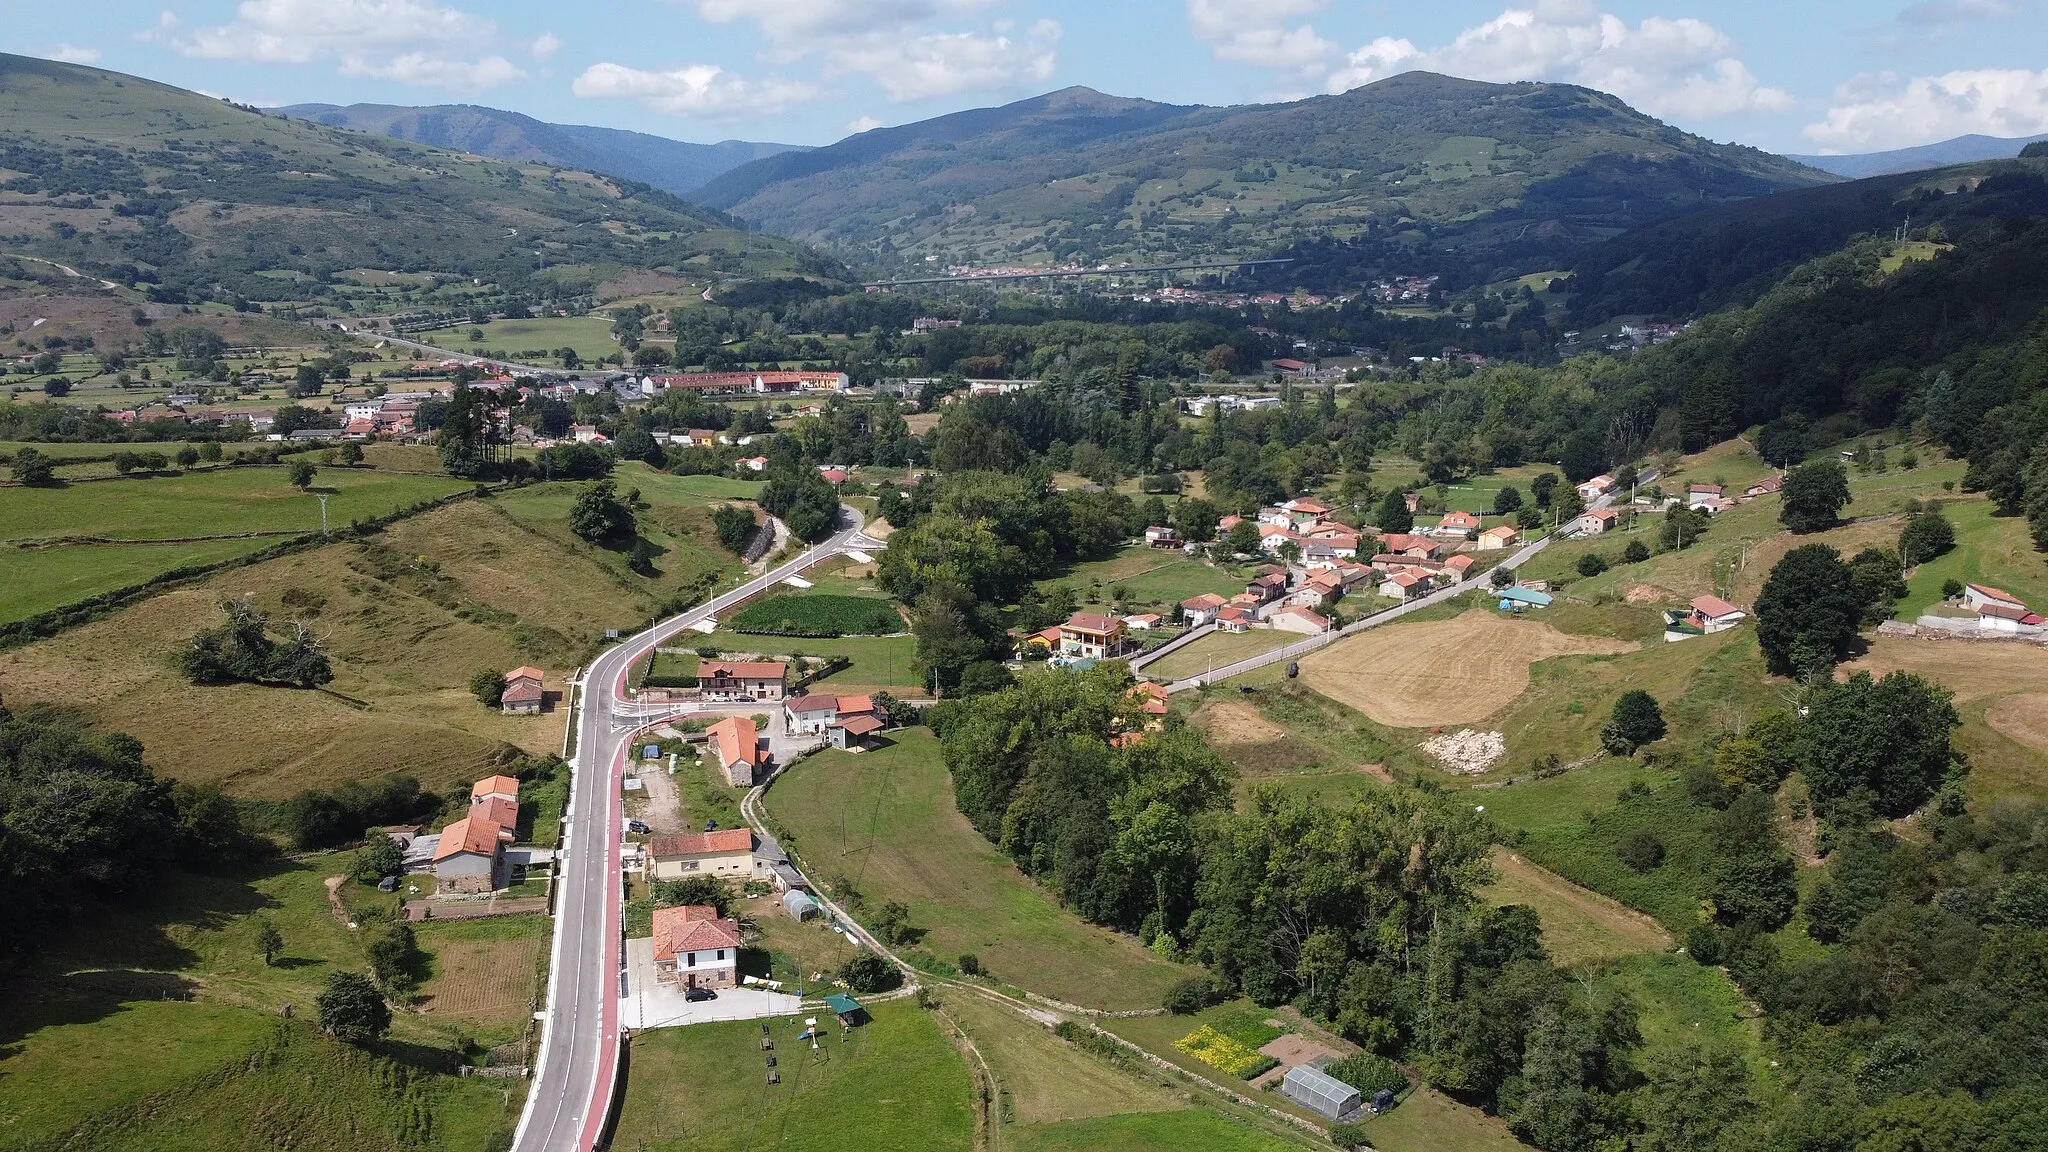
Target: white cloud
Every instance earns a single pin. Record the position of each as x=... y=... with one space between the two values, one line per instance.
x=942 y=63
x=895 y=42
x=1883 y=112
x=705 y=90
x=72 y=54
x=1256 y=32
x=1667 y=67
x=864 y=124
x=545 y=46
x=410 y=41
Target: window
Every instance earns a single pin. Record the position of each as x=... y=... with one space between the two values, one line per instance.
x=693 y=959
x=690 y=865
x=721 y=953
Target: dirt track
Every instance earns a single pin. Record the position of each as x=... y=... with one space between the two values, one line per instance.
x=1442 y=672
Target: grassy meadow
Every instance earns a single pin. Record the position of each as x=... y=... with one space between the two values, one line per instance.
x=161 y=1019
x=884 y=824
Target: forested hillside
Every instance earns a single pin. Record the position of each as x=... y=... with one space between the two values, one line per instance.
x=1418 y=173
x=193 y=198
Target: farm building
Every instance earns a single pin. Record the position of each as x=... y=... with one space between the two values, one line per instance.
x=1498 y=537
x=523 y=695
x=1320 y=1092
x=737 y=744
x=852 y=731
x=469 y=857
x=1516 y=599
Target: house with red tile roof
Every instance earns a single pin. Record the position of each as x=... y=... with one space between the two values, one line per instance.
x=1299 y=619
x=737 y=744
x=1713 y=614
x=1498 y=537
x=1405 y=583
x=1456 y=526
x=1976 y=596
x=1200 y=610
x=743 y=679
x=523 y=695
x=489 y=786
x=727 y=854
x=1235 y=618
x=1092 y=636
x=1409 y=544
x=469 y=858
x=693 y=947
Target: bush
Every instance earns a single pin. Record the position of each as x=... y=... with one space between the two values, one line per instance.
x=1637 y=721
x=488 y=686
x=704 y=890
x=1640 y=849
x=1703 y=943
x=970 y=964
x=868 y=972
x=1369 y=1073
x=1592 y=564
x=1635 y=553
x=351 y=1008
x=1348 y=1134
x=1189 y=997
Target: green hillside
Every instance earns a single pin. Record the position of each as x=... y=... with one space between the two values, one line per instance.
x=193 y=198
x=1396 y=172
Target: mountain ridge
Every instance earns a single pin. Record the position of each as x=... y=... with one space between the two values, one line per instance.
x=1941 y=154
x=676 y=166
x=1508 y=175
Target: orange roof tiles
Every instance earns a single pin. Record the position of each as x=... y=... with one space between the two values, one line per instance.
x=692 y=928
x=494 y=786
x=736 y=739
x=702 y=843
x=743 y=669
x=472 y=834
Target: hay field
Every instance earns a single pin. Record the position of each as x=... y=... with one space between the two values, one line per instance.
x=1999 y=690
x=1453 y=671
x=1578 y=924
x=485 y=971
x=2023 y=718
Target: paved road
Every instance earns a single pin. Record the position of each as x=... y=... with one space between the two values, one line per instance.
x=579 y=1048
x=1302 y=648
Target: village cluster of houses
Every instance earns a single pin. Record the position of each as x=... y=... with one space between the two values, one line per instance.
x=1713 y=499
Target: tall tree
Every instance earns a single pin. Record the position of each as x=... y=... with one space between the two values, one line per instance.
x=1807 y=613
x=1814 y=495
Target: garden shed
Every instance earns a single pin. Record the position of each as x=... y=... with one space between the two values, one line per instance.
x=799 y=905
x=1320 y=1092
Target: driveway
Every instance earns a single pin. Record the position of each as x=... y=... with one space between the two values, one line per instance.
x=648 y=1003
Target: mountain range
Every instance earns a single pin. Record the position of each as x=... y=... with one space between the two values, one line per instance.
x=1960 y=150
x=197 y=198
x=670 y=165
x=1425 y=170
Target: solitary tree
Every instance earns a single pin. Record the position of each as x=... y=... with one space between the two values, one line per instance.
x=1591 y=564
x=1925 y=537
x=1636 y=552
x=1507 y=500
x=1394 y=514
x=351 y=453
x=33 y=468
x=352 y=1009
x=1814 y=496
x=1637 y=721
x=1807 y=612
x=269 y=942
x=599 y=515
x=302 y=474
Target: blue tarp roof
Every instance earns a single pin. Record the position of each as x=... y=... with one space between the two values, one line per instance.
x=1525 y=596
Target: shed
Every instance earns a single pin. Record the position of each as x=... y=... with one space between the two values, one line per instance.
x=1320 y=1092
x=799 y=905
x=1518 y=598
x=845 y=1007
x=650 y=752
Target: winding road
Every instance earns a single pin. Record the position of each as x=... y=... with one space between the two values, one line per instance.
x=577 y=1072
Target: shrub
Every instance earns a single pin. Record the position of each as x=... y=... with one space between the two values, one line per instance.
x=1189 y=997
x=1703 y=943
x=1640 y=849
x=488 y=686
x=1348 y=1134
x=1637 y=721
x=1636 y=552
x=1592 y=564
x=351 y=1008
x=970 y=964
x=868 y=972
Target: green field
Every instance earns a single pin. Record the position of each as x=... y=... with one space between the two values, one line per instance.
x=39 y=579
x=1148 y=1132
x=590 y=336
x=895 y=1083
x=817 y=615
x=1150 y=578
x=160 y=1019
x=884 y=821
x=231 y=501
x=656 y=485
x=876 y=662
x=1994 y=550
x=1217 y=649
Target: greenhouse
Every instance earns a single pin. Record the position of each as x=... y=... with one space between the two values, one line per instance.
x=1320 y=1092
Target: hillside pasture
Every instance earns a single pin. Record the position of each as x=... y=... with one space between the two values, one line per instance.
x=1997 y=687
x=885 y=824
x=1442 y=671
x=1578 y=924
x=1216 y=650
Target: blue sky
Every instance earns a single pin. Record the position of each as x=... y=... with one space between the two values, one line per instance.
x=1792 y=75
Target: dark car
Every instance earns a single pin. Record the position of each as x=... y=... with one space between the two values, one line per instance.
x=695 y=994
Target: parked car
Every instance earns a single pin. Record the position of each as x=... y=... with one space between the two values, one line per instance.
x=695 y=994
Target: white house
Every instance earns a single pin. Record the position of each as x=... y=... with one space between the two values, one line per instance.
x=1594 y=523
x=1976 y=596
x=1597 y=487
x=1299 y=619
x=1200 y=610
x=693 y=947
x=1714 y=614
x=1456 y=526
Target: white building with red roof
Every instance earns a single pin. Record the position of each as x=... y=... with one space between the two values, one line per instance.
x=696 y=948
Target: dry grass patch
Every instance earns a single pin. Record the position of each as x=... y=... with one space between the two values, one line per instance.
x=1232 y=722
x=2023 y=718
x=1445 y=671
x=1763 y=555
x=1972 y=670
x=1578 y=924
x=483 y=977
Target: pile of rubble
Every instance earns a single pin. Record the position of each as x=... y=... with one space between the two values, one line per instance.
x=1466 y=752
